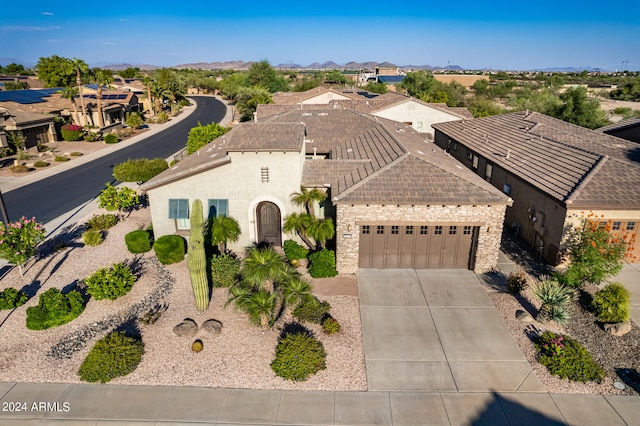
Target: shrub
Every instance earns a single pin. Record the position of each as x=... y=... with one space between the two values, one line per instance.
x=311 y=310
x=23 y=155
x=612 y=303
x=330 y=325
x=110 y=138
x=92 y=237
x=19 y=240
x=294 y=250
x=138 y=241
x=516 y=282
x=11 y=298
x=40 y=164
x=555 y=298
x=200 y=136
x=54 y=309
x=322 y=264
x=76 y=154
x=161 y=117
x=169 y=249
x=61 y=158
x=21 y=168
x=134 y=120
x=225 y=269
x=298 y=356
x=71 y=132
x=113 y=356
x=110 y=283
x=567 y=358
x=112 y=198
x=43 y=148
x=92 y=136
x=139 y=170
x=102 y=222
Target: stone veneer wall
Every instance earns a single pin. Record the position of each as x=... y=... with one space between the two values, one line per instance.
x=349 y=217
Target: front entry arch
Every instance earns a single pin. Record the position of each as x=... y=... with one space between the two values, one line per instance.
x=269 y=223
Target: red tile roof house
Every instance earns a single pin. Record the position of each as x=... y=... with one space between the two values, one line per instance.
x=396 y=199
x=556 y=173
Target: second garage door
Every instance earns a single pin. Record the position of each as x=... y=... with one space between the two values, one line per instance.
x=447 y=246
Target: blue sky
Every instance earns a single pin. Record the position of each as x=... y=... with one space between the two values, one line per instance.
x=475 y=35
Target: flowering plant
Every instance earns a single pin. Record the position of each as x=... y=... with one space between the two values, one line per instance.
x=18 y=240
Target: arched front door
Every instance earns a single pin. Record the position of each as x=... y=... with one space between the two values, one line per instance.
x=268 y=219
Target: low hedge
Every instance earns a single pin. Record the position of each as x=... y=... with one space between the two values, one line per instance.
x=110 y=138
x=169 y=249
x=293 y=250
x=115 y=355
x=322 y=264
x=54 y=309
x=139 y=170
x=110 y=283
x=102 y=222
x=138 y=241
x=11 y=298
x=298 y=356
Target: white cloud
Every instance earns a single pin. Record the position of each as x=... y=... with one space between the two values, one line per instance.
x=21 y=28
x=48 y=13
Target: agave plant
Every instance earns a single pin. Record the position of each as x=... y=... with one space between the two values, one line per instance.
x=555 y=298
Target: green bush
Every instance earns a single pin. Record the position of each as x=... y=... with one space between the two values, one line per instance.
x=76 y=154
x=612 y=303
x=92 y=237
x=40 y=164
x=11 y=298
x=138 y=241
x=92 y=136
x=61 y=158
x=225 y=269
x=54 y=309
x=110 y=283
x=322 y=264
x=102 y=222
x=115 y=355
x=110 y=138
x=134 y=120
x=71 y=132
x=567 y=358
x=311 y=310
x=330 y=325
x=298 y=356
x=139 y=170
x=161 y=117
x=169 y=249
x=516 y=282
x=21 y=168
x=294 y=250
x=555 y=298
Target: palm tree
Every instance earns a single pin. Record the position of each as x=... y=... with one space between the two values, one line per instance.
x=103 y=78
x=224 y=229
x=80 y=68
x=321 y=230
x=263 y=267
x=159 y=93
x=70 y=93
x=147 y=82
x=299 y=223
x=261 y=307
x=308 y=198
x=294 y=291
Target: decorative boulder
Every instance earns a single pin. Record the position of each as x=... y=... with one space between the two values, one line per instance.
x=188 y=328
x=618 y=329
x=212 y=326
x=523 y=316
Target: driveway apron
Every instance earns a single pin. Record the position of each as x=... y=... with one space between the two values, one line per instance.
x=437 y=331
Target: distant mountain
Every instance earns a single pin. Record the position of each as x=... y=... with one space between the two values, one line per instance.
x=568 y=69
x=7 y=61
x=229 y=65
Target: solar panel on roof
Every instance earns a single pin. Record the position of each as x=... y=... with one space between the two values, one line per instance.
x=122 y=97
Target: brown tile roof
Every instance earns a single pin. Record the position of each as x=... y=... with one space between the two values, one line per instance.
x=573 y=164
x=623 y=124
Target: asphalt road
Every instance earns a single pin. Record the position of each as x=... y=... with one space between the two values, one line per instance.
x=51 y=197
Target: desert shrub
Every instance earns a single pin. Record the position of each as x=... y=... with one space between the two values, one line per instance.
x=40 y=164
x=92 y=136
x=76 y=154
x=6 y=151
x=61 y=158
x=110 y=283
x=43 y=148
x=138 y=241
x=110 y=138
x=23 y=155
x=298 y=356
x=139 y=170
x=294 y=250
x=161 y=117
x=92 y=237
x=71 y=132
x=567 y=358
x=54 y=309
x=311 y=310
x=516 y=282
x=11 y=298
x=322 y=264
x=134 y=120
x=21 y=168
x=115 y=355
x=225 y=269
x=555 y=298
x=612 y=303
x=121 y=199
x=169 y=249
x=330 y=325
x=102 y=222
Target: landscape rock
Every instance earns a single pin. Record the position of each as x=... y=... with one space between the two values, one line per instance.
x=523 y=316
x=188 y=328
x=212 y=326
x=618 y=329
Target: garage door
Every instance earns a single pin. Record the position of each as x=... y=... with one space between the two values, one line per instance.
x=447 y=246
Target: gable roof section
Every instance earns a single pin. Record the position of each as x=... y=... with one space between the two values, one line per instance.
x=620 y=125
x=573 y=164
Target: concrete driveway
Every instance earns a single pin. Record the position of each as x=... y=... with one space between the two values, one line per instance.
x=437 y=330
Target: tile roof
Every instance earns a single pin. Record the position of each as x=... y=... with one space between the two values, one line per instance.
x=623 y=124
x=573 y=164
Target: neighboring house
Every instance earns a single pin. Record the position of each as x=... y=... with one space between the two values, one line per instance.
x=115 y=106
x=394 y=106
x=395 y=198
x=557 y=173
x=626 y=129
x=36 y=128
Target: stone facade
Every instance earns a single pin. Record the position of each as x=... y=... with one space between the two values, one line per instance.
x=489 y=218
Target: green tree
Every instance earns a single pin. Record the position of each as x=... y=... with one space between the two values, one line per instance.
x=416 y=82
x=263 y=267
x=248 y=99
x=70 y=92
x=374 y=87
x=55 y=71
x=578 y=109
x=308 y=199
x=262 y=74
x=19 y=239
x=483 y=107
x=103 y=78
x=321 y=230
x=112 y=198
x=80 y=69
x=335 y=77
x=200 y=136
x=299 y=223
x=231 y=85
x=134 y=120
x=224 y=229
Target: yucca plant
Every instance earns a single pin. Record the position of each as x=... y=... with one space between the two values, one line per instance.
x=555 y=298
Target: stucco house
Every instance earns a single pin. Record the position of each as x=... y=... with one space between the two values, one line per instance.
x=37 y=129
x=557 y=174
x=394 y=106
x=396 y=199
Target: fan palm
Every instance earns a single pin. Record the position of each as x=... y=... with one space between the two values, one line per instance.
x=80 y=68
x=70 y=93
x=308 y=198
x=299 y=223
x=224 y=229
x=260 y=305
x=321 y=230
x=294 y=291
x=263 y=267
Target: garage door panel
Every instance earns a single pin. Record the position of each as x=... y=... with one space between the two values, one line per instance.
x=407 y=250
x=436 y=244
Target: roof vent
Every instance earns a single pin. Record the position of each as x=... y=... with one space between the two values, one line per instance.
x=508 y=154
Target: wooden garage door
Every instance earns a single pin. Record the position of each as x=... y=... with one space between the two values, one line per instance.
x=446 y=246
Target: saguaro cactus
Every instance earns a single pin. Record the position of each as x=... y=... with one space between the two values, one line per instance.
x=197 y=257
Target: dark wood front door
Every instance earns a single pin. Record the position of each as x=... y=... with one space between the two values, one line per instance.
x=269 y=226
